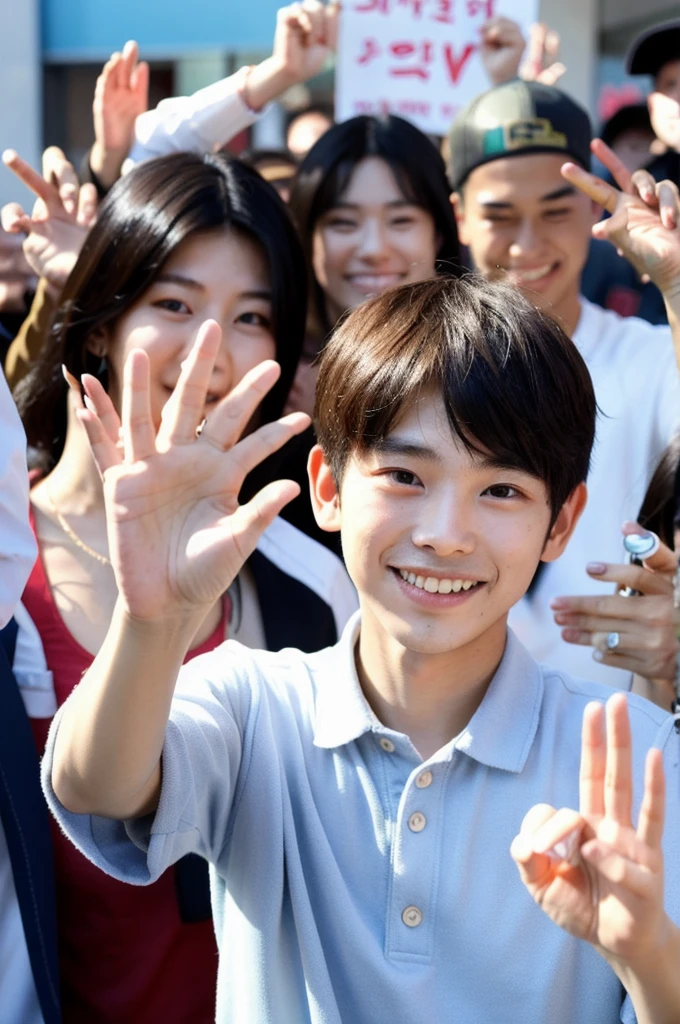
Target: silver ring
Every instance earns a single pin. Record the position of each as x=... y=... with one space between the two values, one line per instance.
x=613 y=641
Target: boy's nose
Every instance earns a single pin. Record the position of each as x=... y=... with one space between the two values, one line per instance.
x=445 y=528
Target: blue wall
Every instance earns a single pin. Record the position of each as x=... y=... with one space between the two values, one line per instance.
x=83 y=30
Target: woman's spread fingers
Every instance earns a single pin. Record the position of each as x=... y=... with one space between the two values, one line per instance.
x=258 y=446
x=139 y=437
x=104 y=451
x=614 y=164
x=652 y=811
x=597 y=189
x=226 y=423
x=103 y=406
x=30 y=177
x=247 y=524
x=593 y=761
x=618 y=783
x=184 y=411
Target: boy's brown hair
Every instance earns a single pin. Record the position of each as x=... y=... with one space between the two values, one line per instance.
x=513 y=383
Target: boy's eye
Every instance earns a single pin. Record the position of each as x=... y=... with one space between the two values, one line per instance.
x=502 y=491
x=403 y=477
x=173 y=305
x=557 y=214
x=341 y=223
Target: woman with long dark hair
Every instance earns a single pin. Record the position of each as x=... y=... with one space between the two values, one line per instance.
x=177 y=242
x=371 y=202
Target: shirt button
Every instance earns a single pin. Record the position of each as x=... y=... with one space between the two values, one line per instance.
x=412 y=917
x=424 y=780
x=417 y=822
x=387 y=745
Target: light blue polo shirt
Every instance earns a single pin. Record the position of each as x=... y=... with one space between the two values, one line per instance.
x=354 y=883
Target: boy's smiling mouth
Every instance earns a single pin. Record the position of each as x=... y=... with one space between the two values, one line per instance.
x=437 y=584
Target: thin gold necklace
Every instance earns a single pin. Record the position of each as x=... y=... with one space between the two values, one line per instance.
x=71 y=533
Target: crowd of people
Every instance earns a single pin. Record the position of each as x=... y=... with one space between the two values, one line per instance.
x=397 y=417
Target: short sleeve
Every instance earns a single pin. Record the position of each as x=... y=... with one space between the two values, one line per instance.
x=201 y=760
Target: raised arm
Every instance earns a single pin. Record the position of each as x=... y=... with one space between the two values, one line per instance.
x=644 y=225
x=305 y=36
x=178 y=538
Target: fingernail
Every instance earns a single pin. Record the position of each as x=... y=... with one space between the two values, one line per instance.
x=559 y=602
x=596 y=568
x=597 y=655
x=89 y=404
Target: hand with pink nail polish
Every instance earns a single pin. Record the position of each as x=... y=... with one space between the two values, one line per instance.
x=597 y=874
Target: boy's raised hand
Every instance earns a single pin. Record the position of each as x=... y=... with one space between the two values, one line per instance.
x=645 y=217
x=592 y=871
x=177 y=533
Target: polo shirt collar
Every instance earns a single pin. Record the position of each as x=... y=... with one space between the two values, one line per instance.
x=499 y=734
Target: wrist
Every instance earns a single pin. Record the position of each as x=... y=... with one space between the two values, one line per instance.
x=651 y=977
x=265 y=82
x=107 y=163
x=175 y=629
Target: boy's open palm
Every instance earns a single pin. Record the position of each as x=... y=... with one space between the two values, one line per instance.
x=591 y=870
x=177 y=533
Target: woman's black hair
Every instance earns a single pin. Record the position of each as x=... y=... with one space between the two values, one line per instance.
x=660 y=510
x=418 y=167
x=145 y=216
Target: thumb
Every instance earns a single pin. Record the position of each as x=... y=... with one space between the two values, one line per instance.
x=249 y=521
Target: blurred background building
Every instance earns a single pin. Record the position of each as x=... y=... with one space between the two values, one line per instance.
x=51 y=52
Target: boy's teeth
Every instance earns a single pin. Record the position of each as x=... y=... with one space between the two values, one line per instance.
x=435 y=586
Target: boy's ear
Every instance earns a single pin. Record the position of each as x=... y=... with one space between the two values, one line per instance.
x=323 y=490
x=456 y=200
x=565 y=524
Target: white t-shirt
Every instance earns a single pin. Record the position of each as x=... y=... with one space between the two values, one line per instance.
x=637 y=388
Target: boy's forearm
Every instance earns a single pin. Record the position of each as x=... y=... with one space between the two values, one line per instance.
x=654 y=985
x=108 y=747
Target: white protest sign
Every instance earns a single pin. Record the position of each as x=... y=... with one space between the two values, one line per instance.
x=416 y=58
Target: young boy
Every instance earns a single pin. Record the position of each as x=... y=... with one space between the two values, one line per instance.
x=524 y=223
x=357 y=805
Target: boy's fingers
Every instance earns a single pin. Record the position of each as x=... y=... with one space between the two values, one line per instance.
x=667 y=192
x=613 y=163
x=618 y=870
x=138 y=433
x=593 y=762
x=597 y=189
x=129 y=59
x=618 y=783
x=140 y=81
x=184 y=411
x=43 y=189
x=645 y=185
x=553 y=836
x=652 y=811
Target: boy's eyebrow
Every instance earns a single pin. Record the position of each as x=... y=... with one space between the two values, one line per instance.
x=406 y=448
x=549 y=197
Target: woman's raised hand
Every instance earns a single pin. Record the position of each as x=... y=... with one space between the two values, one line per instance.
x=177 y=534
x=63 y=214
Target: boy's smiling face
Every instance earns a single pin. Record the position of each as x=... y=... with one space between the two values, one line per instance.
x=440 y=543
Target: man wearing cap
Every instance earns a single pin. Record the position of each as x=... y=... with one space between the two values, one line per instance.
x=656 y=52
x=522 y=221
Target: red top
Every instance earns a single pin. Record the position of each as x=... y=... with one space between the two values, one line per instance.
x=125 y=955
